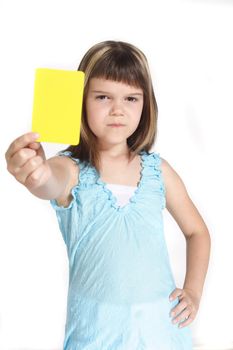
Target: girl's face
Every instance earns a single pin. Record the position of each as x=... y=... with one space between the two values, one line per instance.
x=110 y=102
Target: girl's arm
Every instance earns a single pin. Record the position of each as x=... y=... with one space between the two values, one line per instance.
x=64 y=175
x=46 y=179
x=196 y=233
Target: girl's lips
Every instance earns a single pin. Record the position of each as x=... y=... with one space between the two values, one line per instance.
x=116 y=125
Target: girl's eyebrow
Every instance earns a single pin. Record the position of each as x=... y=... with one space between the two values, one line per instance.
x=105 y=92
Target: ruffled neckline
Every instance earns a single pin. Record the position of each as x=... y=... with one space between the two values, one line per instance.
x=150 y=169
x=132 y=199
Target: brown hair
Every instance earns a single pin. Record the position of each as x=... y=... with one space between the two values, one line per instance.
x=123 y=62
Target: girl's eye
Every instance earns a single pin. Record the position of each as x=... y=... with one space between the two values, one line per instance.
x=132 y=99
x=101 y=97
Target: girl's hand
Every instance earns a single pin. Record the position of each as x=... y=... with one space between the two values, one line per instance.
x=187 y=307
x=26 y=161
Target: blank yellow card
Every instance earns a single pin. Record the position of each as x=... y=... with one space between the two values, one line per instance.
x=57 y=106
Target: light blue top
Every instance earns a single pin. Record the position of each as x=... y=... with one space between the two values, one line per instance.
x=120 y=276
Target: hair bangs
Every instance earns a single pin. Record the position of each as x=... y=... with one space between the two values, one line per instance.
x=119 y=66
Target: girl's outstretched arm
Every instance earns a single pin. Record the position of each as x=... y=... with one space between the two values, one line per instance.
x=46 y=179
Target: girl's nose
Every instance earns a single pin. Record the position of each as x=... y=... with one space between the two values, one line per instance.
x=116 y=108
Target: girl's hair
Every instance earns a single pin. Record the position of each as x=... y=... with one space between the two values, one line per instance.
x=122 y=62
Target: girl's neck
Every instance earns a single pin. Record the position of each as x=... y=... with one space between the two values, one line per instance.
x=124 y=157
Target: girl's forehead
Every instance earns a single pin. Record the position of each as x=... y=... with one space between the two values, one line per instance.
x=106 y=84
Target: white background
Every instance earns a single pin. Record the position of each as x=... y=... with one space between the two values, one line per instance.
x=189 y=48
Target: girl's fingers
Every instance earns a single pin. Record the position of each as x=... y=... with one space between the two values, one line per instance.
x=19 y=159
x=182 y=316
x=20 y=142
x=38 y=148
x=36 y=177
x=29 y=167
x=187 y=321
x=178 y=308
x=34 y=145
x=176 y=293
x=184 y=312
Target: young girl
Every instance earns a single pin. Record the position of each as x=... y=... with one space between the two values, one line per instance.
x=109 y=192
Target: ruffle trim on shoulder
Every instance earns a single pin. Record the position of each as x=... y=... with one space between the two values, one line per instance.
x=152 y=171
x=87 y=173
x=68 y=154
x=57 y=207
x=87 y=176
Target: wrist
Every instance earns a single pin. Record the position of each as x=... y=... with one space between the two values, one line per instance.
x=196 y=293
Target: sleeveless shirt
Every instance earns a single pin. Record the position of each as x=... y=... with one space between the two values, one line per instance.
x=120 y=276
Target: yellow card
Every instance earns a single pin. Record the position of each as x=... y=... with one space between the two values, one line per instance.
x=57 y=106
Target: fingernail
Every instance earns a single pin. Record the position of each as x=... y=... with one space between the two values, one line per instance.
x=36 y=135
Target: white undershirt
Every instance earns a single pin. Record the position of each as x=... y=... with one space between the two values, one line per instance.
x=122 y=192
